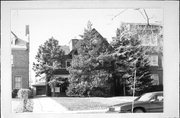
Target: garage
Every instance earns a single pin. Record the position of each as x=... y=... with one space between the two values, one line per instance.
x=39 y=88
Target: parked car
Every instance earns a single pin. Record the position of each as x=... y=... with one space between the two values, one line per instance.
x=148 y=102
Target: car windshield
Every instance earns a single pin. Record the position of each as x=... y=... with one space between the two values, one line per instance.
x=145 y=97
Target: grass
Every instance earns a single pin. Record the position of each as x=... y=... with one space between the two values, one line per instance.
x=93 y=103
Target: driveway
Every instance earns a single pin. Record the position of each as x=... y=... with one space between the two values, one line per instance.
x=46 y=104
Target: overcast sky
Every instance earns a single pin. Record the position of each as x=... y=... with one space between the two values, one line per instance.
x=66 y=24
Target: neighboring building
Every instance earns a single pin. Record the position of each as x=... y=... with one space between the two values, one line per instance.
x=152 y=37
x=20 y=62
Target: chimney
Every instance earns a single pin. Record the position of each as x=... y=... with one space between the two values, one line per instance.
x=73 y=43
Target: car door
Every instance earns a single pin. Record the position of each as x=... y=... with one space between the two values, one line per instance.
x=156 y=103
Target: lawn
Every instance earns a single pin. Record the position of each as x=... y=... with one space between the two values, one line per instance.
x=87 y=103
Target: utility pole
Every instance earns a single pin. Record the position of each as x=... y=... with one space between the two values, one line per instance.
x=134 y=90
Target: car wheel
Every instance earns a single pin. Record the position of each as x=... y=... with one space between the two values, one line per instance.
x=138 y=110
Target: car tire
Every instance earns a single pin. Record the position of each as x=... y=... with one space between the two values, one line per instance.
x=138 y=110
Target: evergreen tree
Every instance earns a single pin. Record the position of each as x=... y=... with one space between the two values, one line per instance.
x=84 y=77
x=128 y=57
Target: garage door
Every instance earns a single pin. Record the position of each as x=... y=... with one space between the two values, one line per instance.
x=40 y=90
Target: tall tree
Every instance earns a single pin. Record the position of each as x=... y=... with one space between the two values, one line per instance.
x=128 y=57
x=50 y=56
x=84 y=77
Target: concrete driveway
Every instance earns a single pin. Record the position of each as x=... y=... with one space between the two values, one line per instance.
x=46 y=104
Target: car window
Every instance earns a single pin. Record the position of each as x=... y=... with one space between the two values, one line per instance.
x=157 y=98
x=145 y=97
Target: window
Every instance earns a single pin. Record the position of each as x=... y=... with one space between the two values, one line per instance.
x=155 y=78
x=18 y=82
x=68 y=63
x=154 y=60
x=149 y=40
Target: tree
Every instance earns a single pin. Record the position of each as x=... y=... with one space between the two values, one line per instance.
x=50 y=56
x=84 y=77
x=128 y=56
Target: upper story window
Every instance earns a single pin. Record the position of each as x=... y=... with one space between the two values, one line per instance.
x=68 y=63
x=153 y=60
x=155 y=78
x=149 y=40
x=18 y=82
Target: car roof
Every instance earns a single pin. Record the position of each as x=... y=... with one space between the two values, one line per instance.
x=156 y=92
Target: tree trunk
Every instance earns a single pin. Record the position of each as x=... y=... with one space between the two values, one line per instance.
x=124 y=88
x=53 y=91
x=48 y=89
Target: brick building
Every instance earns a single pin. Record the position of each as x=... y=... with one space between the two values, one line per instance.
x=152 y=37
x=20 y=62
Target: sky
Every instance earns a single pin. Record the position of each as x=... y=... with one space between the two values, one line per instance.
x=66 y=24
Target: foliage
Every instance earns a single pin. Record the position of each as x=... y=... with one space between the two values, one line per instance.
x=130 y=60
x=26 y=105
x=14 y=93
x=30 y=94
x=49 y=57
x=83 y=73
x=23 y=93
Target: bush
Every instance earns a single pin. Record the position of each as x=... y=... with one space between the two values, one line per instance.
x=26 y=105
x=100 y=92
x=14 y=93
x=30 y=93
x=23 y=93
x=77 y=89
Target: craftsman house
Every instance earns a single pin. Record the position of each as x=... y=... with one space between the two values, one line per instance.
x=61 y=74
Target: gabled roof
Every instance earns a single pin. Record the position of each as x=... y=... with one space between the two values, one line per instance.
x=97 y=36
x=65 y=49
x=16 y=42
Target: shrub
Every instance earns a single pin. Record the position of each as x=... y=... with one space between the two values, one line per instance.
x=23 y=93
x=77 y=89
x=100 y=92
x=26 y=105
x=30 y=93
x=14 y=93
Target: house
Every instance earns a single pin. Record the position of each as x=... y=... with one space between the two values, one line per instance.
x=61 y=74
x=19 y=62
x=152 y=40
x=98 y=40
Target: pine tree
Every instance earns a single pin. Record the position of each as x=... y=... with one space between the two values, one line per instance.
x=127 y=57
x=84 y=77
